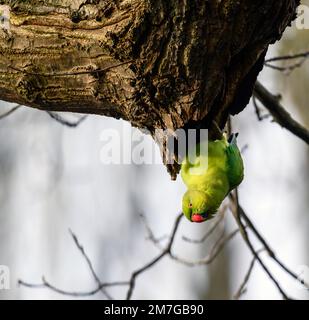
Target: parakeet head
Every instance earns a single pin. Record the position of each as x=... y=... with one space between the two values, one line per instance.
x=194 y=206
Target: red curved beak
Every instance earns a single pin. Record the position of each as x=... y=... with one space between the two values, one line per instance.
x=197 y=218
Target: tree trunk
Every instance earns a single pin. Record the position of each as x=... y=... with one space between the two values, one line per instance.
x=156 y=63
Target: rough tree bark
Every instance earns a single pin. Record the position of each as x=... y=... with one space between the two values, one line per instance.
x=156 y=63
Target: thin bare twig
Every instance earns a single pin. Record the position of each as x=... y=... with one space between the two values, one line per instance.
x=166 y=251
x=89 y=263
x=258 y=110
x=131 y=283
x=156 y=241
x=267 y=247
x=101 y=286
x=299 y=56
x=289 y=57
x=214 y=252
x=287 y=69
x=65 y=122
x=46 y=285
x=6 y=114
x=236 y=214
x=242 y=287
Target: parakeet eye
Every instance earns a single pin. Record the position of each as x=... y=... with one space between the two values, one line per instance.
x=190 y=205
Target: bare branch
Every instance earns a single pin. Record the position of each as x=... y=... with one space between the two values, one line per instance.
x=242 y=288
x=156 y=241
x=89 y=263
x=65 y=122
x=216 y=249
x=302 y=56
x=166 y=251
x=53 y=115
x=289 y=57
x=258 y=110
x=102 y=286
x=267 y=247
x=235 y=211
x=6 y=114
x=287 y=69
x=214 y=252
x=272 y=104
x=46 y=285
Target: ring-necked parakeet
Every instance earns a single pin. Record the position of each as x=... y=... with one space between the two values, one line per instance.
x=209 y=185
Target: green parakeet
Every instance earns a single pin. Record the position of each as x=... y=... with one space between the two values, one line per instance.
x=209 y=184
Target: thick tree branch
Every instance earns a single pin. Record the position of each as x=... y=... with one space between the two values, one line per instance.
x=138 y=60
x=157 y=64
x=272 y=104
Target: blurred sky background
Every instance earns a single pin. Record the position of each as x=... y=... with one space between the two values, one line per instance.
x=52 y=179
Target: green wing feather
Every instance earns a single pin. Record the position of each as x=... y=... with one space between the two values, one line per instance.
x=235 y=164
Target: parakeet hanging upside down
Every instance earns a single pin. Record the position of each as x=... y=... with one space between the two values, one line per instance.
x=209 y=185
